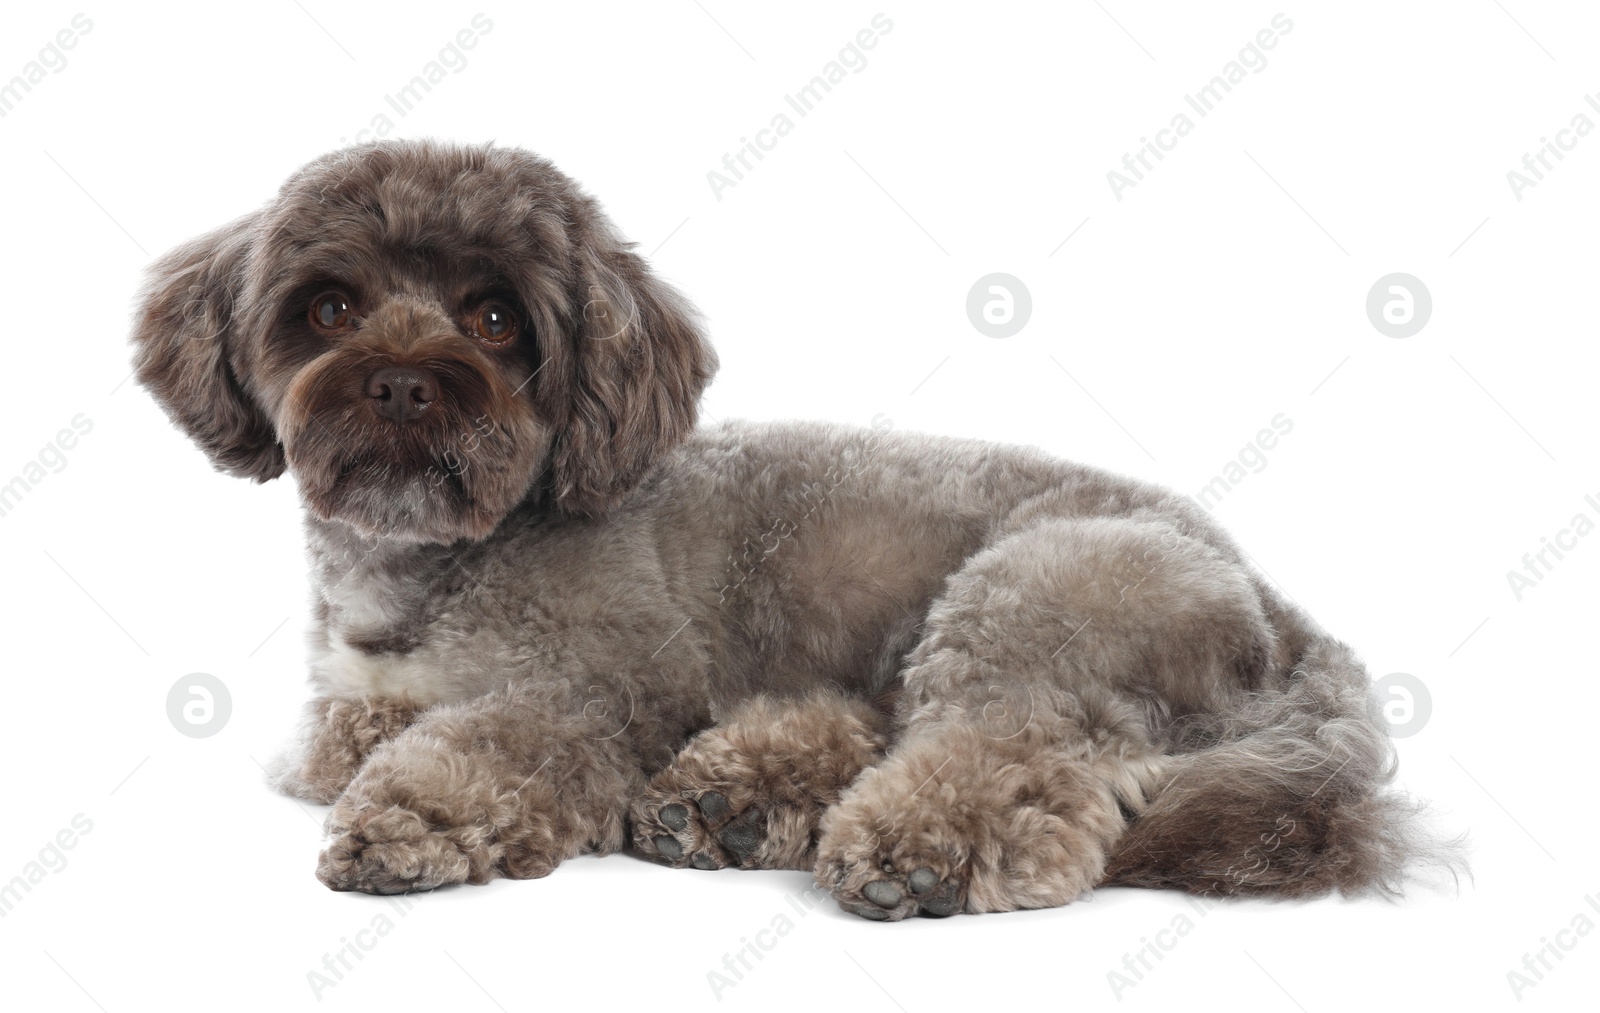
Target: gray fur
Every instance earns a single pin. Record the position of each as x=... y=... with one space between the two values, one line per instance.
x=944 y=675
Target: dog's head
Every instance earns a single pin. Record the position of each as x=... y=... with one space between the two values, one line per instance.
x=426 y=335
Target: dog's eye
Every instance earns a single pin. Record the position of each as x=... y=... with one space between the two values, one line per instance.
x=330 y=311
x=493 y=322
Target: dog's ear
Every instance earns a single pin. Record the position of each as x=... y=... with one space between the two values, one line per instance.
x=184 y=339
x=639 y=364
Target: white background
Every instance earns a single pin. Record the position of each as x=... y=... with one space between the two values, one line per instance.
x=1227 y=287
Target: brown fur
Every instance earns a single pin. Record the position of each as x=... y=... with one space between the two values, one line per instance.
x=944 y=675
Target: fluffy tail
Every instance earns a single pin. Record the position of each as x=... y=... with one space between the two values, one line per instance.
x=1287 y=795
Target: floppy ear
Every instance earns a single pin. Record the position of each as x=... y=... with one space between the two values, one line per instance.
x=639 y=365
x=183 y=338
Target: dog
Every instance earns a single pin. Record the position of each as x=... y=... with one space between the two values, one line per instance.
x=553 y=616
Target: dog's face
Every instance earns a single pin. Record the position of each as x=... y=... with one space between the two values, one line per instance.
x=426 y=335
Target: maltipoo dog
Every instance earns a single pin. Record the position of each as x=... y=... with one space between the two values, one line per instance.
x=551 y=615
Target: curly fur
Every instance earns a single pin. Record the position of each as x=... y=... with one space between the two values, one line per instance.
x=340 y=732
x=552 y=616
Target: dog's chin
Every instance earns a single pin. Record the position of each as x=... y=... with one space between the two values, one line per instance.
x=381 y=502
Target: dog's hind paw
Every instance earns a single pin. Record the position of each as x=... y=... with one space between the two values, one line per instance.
x=954 y=821
x=888 y=893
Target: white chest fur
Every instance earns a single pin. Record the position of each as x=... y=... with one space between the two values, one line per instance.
x=365 y=601
x=342 y=670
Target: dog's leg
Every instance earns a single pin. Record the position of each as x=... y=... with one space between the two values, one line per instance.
x=1033 y=710
x=336 y=736
x=509 y=784
x=750 y=791
x=959 y=819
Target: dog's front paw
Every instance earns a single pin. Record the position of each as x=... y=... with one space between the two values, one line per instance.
x=417 y=819
x=395 y=851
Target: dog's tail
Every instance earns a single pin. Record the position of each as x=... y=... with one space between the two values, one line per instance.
x=1287 y=794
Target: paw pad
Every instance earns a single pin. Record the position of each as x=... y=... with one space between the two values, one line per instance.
x=884 y=893
x=675 y=816
x=669 y=847
x=745 y=834
x=704 y=833
x=892 y=897
x=713 y=805
x=922 y=881
x=703 y=861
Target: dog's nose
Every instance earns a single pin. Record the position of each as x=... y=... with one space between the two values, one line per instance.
x=400 y=393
